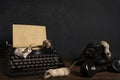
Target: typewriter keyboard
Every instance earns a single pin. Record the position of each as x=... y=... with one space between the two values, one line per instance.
x=33 y=64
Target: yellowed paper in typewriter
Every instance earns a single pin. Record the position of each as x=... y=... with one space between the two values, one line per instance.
x=26 y=35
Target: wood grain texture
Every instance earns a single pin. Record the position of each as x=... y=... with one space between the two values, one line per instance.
x=74 y=75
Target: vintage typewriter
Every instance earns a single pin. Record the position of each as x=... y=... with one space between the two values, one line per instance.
x=38 y=61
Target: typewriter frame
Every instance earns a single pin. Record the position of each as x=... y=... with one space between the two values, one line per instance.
x=25 y=71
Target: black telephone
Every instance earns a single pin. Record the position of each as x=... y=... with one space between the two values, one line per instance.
x=95 y=59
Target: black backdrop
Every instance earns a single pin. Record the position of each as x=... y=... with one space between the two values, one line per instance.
x=71 y=24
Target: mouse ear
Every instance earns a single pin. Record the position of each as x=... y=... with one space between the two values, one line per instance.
x=47 y=75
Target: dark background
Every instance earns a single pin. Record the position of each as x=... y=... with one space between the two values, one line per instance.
x=70 y=24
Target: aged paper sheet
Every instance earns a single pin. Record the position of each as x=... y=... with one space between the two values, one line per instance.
x=25 y=35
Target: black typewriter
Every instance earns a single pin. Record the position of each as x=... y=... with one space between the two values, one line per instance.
x=37 y=62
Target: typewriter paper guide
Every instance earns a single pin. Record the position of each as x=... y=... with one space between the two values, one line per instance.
x=26 y=35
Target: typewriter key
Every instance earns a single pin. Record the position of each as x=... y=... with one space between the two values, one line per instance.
x=29 y=62
x=21 y=63
x=45 y=61
x=37 y=62
x=44 y=64
x=25 y=63
x=19 y=66
x=16 y=57
x=40 y=65
x=47 y=58
x=33 y=62
x=39 y=58
x=52 y=64
x=49 y=61
x=23 y=66
x=27 y=66
x=32 y=65
x=48 y=64
x=41 y=61
x=12 y=67
x=16 y=63
x=12 y=57
x=10 y=63
x=56 y=63
x=36 y=65
x=53 y=61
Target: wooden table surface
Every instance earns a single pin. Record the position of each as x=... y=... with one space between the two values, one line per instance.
x=74 y=75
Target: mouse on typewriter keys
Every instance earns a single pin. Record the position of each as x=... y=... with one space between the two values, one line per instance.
x=23 y=52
